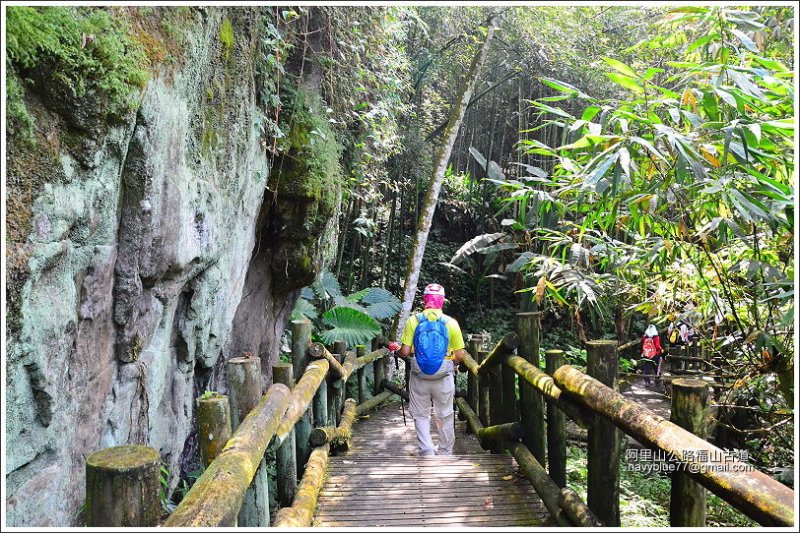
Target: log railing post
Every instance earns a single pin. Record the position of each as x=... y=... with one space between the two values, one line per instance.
x=213 y=426
x=378 y=369
x=361 y=350
x=472 y=382
x=496 y=403
x=301 y=337
x=484 y=399
x=244 y=384
x=337 y=391
x=687 y=505
x=285 y=456
x=122 y=487
x=556 y=427
x=527 y=327
x=320 y=405
x=604 y=439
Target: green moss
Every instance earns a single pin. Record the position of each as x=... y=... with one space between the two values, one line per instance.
x=85 y=49
x=226 y=36
x=19 y=121
x=313 y=169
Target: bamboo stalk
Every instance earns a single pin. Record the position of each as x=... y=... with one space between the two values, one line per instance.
x=215 y=498
x=760 y=497
x=301 y=513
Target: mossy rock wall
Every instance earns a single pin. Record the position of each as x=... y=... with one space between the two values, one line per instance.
x=144 y=251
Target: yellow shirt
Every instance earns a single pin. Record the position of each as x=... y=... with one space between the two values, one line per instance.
x=454 y=336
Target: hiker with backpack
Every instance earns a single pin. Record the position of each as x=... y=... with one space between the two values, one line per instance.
x=651 y=351
x=432 y=343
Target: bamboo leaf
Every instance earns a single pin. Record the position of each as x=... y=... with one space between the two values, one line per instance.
x=621 y=67
x=626 y=82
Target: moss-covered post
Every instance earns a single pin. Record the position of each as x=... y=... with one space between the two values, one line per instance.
x=301 y=337
x=604 y=439
x=335 y=388
x=122 y=487
x=379 y=374
x=361 y=350
x=244 y=387
x=687 y=505
x=496 y=406
x=320 y=405
x=472 y=382
x=213 y=426
x=532 y=403
x=556 y=427
x=285 y=457
x=484 y=397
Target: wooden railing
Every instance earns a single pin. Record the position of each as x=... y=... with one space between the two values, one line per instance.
x=301 y=422
x=502 y=421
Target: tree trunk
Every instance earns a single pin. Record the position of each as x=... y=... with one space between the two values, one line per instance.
x=432 y=196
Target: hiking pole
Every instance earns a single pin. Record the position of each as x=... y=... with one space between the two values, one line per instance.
x=393 y=346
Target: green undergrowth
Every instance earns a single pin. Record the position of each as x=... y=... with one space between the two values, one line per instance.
x=84 y=49
x=644 y=496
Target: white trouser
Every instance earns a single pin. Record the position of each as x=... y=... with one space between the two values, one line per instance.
x=440 y=391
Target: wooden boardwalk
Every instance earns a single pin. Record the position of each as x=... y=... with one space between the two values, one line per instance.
x=382 y=481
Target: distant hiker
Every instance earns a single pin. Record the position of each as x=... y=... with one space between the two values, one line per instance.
x=438 y=347
x=680 y=334
x=651 y=351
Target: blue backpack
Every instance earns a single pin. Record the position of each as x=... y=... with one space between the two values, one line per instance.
x=430 y=343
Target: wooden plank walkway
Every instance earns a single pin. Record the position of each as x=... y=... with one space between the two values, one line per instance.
x=381 y=481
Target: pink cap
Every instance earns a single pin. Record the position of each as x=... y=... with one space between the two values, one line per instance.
x=434 y=288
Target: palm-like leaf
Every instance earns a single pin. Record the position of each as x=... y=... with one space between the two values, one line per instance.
x=348 y=325
x=474 y=245
x=304 y=309
x=326 y=286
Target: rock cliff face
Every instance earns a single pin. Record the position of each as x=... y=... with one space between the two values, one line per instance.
x=150 y=251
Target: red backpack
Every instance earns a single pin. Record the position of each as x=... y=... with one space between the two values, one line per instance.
x=649 y=348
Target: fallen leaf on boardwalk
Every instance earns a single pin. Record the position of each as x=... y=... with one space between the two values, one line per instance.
x=476 y=464
x=507 y=477
x=488 y=502
x=348 y=462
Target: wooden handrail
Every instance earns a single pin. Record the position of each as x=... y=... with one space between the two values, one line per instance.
x=216 y=497
x=301 y=513
x=302 y=394
x=754 y=493
x=506 y=346
x=549 y=390
x=370 y=357
x=337 y=435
